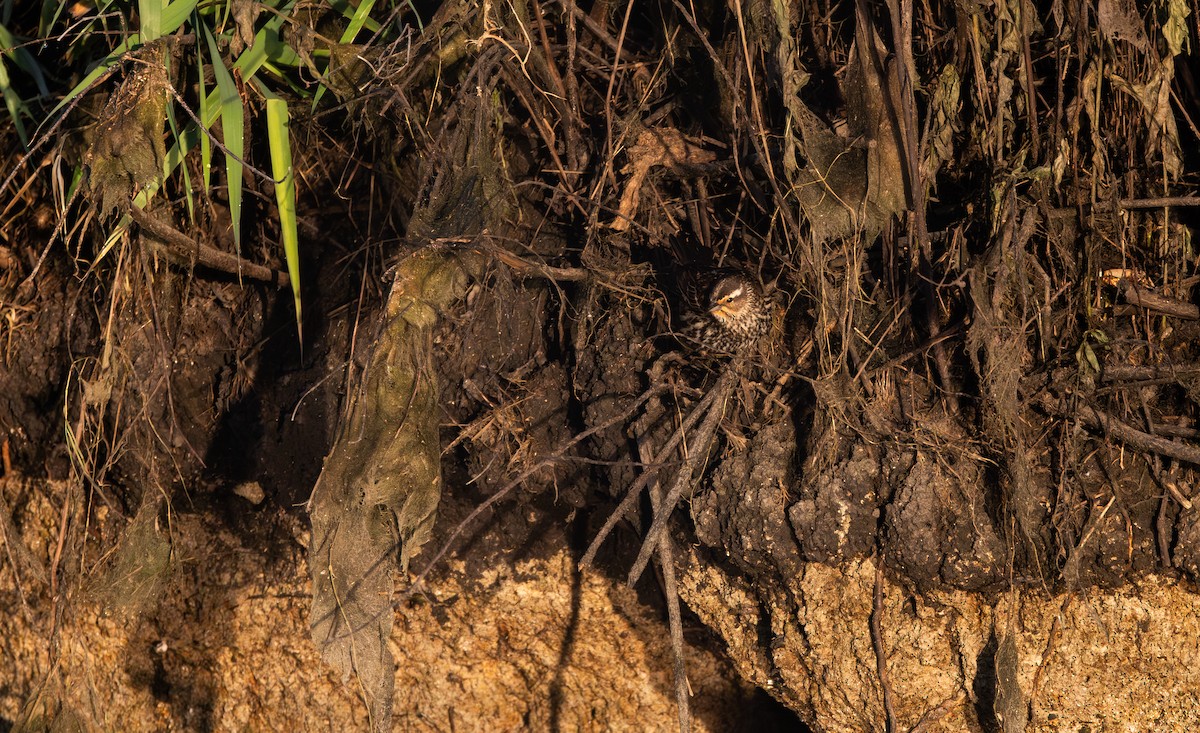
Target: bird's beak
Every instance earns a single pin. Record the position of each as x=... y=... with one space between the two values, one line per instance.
x=719 y=312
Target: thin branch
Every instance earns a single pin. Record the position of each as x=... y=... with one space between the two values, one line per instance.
x=188 y=249
x=511 y=485
x=1113 y=427
x=1160 y=202
x=534 y=269
x=666 y=563
x=1150 y=300
x=683 y=479
x=643 y=481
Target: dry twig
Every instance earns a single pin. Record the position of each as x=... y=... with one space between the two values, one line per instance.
x=517 y=481
x=666 y=562
x=1115 y=428
x=189 y=250
x=877 y=643
x=698 y=450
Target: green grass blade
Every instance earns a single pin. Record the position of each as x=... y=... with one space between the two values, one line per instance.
x=229 y=107
x=188 y=139
x=187 y=179
x=205 y=143
x=251 y=60
x=51 y=9
x=23 y=59
x=171 y=18
x=150 y=14
x=174 y=14
x=267 y=45
x=279 y=141
x=114 y=236
x=359 y=17
x=362 y=16
x=14 y=103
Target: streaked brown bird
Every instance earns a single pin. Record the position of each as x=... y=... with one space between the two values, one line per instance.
x=737 y=315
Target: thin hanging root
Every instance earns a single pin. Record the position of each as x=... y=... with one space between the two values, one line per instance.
x=666 y=552
x=714 y=410
x=666 y=562
x=724 y=385
x=511 y=485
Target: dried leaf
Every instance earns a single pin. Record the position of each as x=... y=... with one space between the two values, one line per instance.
x=1174 y=28
x=943 y=124
x=872 y=89
x=244 y=13
x=1154 y=95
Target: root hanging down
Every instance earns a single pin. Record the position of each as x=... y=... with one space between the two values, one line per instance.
x=709 y=409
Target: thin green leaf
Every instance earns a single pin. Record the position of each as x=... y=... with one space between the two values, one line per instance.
x=251 y=60
x=267 y=44
x=172 y=17
x=229 y=107
x=23 y=59
x=212 y=107
x=14 y=103
x=76 y=181
x=279 y=141
x=51 y=9
x=174 y=14
x=115 y=236
x=205 y=143
x=355 y=14
x=150 y=14
x=187 y=140
x=361 y=16
x=187 y=182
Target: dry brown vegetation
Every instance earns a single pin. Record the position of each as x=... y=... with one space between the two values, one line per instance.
x=978 y=402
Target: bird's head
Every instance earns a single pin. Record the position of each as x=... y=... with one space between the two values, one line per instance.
x=733 y=298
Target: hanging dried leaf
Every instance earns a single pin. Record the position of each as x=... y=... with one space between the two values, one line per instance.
x=1174 y=28
x=943 y=124
x=1154 y=95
